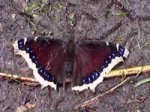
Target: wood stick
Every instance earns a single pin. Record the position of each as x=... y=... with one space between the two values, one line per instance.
x=128 y=71
x=113 y=73
x=93 y=100
x=27 y=79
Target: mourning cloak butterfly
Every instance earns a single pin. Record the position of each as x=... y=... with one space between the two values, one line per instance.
x=83 y=64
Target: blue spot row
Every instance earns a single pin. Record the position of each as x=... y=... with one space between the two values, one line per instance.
x=46 y=75
x=92 y=77
x=111 y=56
x=32 y=56
x=21 y=45
x=107 y=61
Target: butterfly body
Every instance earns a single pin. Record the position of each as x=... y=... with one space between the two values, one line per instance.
x=82 y=63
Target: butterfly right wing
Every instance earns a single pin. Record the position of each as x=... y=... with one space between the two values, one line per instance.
x=92 y=60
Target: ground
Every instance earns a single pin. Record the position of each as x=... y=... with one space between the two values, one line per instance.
x=126 y=22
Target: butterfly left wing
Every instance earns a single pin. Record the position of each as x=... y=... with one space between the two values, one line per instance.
x=43 y=57
x=93 y=60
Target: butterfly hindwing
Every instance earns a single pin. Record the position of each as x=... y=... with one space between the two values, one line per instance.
x=93 y=60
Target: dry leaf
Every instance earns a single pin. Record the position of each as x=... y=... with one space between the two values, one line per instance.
x=25 y=107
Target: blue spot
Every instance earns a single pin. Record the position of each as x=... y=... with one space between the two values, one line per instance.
x=89 y=79
x=86 y=81
x=37 y=63
x=121 y=49
x=106 y=62
x=93 y=76
x=41 y=71
x=113 y=54
x=31 y=53
x=32 y=57
x=121 y=53
x=109 y=57
x=83 y=81
x=29 y=50
x=21 y=45
x=96 y=74
x=102 y=67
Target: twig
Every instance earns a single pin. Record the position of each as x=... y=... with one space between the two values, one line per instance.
x=114 y=73
x=27 y=79
x=128 y=71
x=93 y=100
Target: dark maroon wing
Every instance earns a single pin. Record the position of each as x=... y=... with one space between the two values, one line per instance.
x=43 y=57
x=93 y=60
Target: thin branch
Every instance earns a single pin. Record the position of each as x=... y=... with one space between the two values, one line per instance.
x=114 y=73
x=93 y=100
x=16 y=77
x=128 y=71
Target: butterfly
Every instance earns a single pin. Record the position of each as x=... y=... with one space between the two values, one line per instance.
x=81 y=63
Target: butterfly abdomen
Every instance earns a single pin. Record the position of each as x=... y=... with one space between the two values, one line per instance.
x=69 y=62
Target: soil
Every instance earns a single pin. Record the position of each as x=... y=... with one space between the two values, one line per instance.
x=126 y=22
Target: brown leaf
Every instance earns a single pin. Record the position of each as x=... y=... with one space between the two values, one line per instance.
x=26 y=107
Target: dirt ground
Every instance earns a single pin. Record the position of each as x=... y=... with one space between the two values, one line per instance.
x=126 y=22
